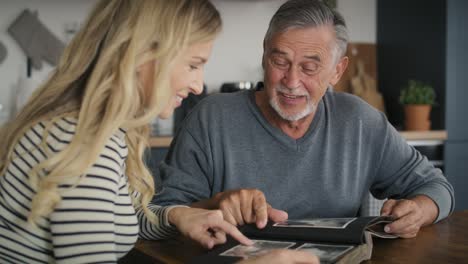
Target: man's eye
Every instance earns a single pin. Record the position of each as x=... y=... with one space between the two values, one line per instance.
x=312 y=68
x=280 y=62
x=193 y=67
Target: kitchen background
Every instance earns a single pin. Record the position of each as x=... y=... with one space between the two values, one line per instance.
x=397 y=40
x=236 y=55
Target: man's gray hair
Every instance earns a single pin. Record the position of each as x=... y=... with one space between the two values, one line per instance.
x=308 y=13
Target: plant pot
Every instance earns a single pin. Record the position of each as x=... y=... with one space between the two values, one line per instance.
x=417 y=117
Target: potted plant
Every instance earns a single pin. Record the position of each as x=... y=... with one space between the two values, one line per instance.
x=417 y=98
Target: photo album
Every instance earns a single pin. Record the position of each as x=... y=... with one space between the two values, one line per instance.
x=333 y=240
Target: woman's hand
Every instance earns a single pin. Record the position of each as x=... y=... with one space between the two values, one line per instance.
x=283 y=256
x=207 y=227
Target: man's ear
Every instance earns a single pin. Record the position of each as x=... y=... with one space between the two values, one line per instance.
x=264 y=55
x=263 y=61
x=339 y=70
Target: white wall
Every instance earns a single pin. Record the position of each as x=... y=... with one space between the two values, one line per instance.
x=237 y=52
x=54 y=14
x=361 y=19
x=236 y=55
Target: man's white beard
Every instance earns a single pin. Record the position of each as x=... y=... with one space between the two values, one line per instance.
x=309 y=109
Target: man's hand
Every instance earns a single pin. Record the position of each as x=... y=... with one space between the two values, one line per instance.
x=411 y=215
x=284 y=256
x=244 y=206
x=207 y=227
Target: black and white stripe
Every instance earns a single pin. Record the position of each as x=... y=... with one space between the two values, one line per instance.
x=94 y=222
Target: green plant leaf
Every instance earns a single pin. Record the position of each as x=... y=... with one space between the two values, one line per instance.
x=417 y=92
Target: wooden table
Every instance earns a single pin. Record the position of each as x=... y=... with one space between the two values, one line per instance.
x=445 y=242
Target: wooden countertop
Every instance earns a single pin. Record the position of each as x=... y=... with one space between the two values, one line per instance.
x=425 y=135
x=160 y=142
x=441 y=135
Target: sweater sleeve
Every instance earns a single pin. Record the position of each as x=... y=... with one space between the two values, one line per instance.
x=185 y=173
x=403 y=173
x=163 y=229
x=83 y=226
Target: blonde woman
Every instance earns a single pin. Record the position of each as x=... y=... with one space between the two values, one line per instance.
x=73 y=185
x=72 y=158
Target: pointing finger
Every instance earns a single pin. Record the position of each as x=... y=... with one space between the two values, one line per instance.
x=260 y=208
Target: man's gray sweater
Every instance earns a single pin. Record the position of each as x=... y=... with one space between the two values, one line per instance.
x=349 y=149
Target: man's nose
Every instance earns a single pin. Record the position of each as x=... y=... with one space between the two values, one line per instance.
x=291 y=77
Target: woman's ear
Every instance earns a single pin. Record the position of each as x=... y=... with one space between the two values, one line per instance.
x=145 y=75
x=147 y=66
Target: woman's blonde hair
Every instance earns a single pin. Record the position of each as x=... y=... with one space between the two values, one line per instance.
x=96 y=80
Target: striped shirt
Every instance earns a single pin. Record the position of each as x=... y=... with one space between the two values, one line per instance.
x=95 y=222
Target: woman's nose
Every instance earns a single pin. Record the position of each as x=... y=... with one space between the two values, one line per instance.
x=197 y=85
x=196 y=88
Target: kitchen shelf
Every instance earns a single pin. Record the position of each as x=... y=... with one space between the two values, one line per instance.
x=160 y=142
x=425 y=135
x=438 y=135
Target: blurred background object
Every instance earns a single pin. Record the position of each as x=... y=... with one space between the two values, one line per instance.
x=162 y=127
x=230 y=87
x=1 y=114
x=35 y=39
x=26 y=86
x=358 y=52
x=417 y=99
x=365 y=86
x=3 y=52
x=38 y=43
x=4 y=115
x=360 y=78
x=70 y=30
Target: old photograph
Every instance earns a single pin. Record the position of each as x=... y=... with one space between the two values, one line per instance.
x=260 y=247
x=326 y=252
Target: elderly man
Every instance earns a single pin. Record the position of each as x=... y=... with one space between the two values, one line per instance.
x=296 y=145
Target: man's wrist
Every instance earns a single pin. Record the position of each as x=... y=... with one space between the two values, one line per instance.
x=429 y=208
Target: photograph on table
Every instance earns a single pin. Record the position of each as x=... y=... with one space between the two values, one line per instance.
x=327 y=253
x=260 y=247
